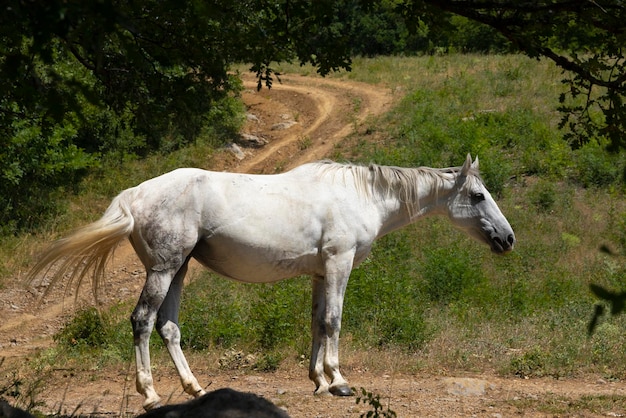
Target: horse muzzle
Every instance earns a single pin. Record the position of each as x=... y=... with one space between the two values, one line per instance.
x=502 y=245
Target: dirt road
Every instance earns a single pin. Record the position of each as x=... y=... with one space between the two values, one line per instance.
x=302 y=119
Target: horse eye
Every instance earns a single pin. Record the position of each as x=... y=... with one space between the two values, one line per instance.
x=478 y=197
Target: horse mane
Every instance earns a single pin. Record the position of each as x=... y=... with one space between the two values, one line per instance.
x=373 y=180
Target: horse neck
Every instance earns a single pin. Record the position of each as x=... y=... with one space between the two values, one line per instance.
x=414 y=193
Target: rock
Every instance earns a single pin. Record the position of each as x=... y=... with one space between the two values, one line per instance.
x=252 y=141
x=234 y=148
x=283 y=125
x=234 y=359
x=252 y=117
x=463 y=386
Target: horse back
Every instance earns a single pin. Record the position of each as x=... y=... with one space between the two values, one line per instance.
x=252 y=227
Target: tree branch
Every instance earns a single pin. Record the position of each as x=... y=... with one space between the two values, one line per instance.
x=86 y=63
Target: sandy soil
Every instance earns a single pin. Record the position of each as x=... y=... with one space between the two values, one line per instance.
x=302 y=119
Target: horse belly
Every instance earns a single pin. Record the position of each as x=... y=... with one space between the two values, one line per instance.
x=255 y=264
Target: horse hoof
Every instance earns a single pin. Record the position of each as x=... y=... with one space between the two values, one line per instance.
x=341 y=390
x=322 y=392
x=152 y=405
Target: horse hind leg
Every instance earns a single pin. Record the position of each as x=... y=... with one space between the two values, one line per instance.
x=168 y=329
x=142 y=320
x=318 y=334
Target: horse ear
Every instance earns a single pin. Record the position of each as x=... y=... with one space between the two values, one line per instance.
x=467 y=165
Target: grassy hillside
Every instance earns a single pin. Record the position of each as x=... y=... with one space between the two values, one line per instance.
x=428 y=294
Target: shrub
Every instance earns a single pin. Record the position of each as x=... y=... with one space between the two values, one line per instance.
x=282 y=314
x=384 y=305
x=448 y=274
x=86 y=330
x=47 y=151
x=529 y=364
x=219 y=312
x=211 y=315
x=543 y=195
x=596 y=168
x=37 y=167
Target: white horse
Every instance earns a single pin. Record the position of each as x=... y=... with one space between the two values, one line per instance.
x=318 y=219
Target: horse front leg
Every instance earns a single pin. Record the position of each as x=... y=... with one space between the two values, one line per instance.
x=326 y=326
x=168 y=329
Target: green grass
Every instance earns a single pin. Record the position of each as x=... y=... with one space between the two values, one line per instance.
x=428 y=290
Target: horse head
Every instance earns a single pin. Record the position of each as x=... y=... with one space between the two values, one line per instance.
x=472 y=209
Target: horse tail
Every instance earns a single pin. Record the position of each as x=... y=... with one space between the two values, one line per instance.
x=88 y=248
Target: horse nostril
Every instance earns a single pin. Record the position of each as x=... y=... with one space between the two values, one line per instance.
x=511 y=239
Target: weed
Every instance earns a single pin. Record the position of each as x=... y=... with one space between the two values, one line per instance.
x=24 y=393
x=268 y=362
x=279 y=167
x=530 y=364
x=377 y=408
x=304 y=143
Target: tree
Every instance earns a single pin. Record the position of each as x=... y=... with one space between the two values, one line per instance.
x=102 y=76
x=587 y=39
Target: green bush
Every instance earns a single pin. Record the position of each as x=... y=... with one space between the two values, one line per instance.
x=384 y=304
x=211 y=315
x=543 y=195
x=529 y=364
x=38 y=166
x=54 y=135
x=282 y=314
x=597 y=168
x=86 y=330
x=448 y=273
x=217 y=312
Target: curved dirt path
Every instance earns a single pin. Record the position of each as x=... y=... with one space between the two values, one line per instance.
x=325 y=111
